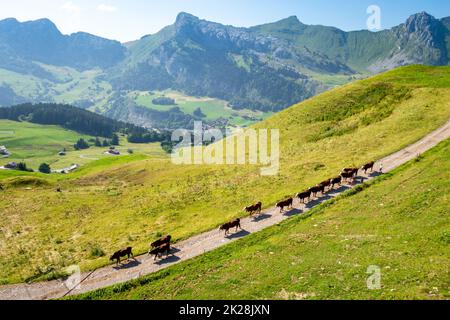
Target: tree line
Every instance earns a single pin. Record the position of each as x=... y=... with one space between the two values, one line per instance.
x=82 y=121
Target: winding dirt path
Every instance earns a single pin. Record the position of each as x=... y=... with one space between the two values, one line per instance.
x=197 y=245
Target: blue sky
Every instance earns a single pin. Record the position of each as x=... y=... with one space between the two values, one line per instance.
x=126 y=20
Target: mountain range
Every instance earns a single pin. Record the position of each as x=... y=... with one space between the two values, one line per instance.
x=263 y=68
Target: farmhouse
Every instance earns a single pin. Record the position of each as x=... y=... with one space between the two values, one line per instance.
x=11 y=165
x=113 y=152
x=4 y=151
x=67 y=170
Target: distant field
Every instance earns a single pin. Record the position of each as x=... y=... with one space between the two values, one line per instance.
x=89 y=91
x=70 y=86
x=106 y=207
x=400 y=224
x=36 y=144
x=212 y=108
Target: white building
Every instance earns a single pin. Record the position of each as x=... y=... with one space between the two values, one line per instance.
x=3 y=151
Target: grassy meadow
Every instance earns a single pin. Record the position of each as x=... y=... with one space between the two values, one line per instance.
x=69 y=85
x=109 y=206
x=35 y=144
x=213 y=109
x=398 y=223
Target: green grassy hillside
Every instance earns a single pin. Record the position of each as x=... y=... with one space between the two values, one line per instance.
x=399 y=223
x=133 y=203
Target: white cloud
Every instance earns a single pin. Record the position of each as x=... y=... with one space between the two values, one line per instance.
x=71 y=7
x=106 y=8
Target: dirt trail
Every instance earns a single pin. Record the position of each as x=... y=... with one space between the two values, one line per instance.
x=197 y=245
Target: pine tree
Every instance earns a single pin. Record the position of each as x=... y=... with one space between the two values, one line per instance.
x=81 y=145
x=45 y=168
x=115 y=140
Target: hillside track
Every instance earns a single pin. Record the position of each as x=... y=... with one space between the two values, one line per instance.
x=197 y=245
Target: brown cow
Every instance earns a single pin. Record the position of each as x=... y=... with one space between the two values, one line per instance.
x=348 y=176
x=285 y=203
x=354 y=171
x=256 y=208
x=368 y=166
x=303 y=196
x=316 y=189
x=161 y=241
x=325 y=184
x=165 y=248
x=122 y=253
x=335 y=181
x=227 y=226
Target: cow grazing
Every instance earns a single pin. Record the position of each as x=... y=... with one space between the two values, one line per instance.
x=165 y=248
x=256 y=208
x=233 y=224
x=303 y=196
x=122 y=253
x=161 y=241
x=368 y=166
x=285 y=203
x=335 y=181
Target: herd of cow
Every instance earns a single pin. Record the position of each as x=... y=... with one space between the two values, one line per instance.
x=347 y=175
x=158 y=248
x=163 y=245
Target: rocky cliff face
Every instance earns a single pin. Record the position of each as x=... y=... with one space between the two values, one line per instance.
x=424 y=36
x=421 y=40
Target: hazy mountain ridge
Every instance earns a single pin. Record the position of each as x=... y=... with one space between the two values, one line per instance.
x=209 y=59
x=41 y=41
x=420 y=40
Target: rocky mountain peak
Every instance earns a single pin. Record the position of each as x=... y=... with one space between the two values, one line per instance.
x=185 y=18
x=420 y=22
